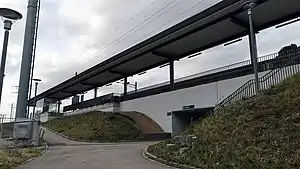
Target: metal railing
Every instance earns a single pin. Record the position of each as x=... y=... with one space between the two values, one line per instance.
x=282 y=68
x=110 y=98
x=212 y=71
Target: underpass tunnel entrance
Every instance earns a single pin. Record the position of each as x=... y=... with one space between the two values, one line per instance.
x=183 y=119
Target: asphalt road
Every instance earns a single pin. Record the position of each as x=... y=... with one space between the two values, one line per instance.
x=75 y=155
x=119 y=156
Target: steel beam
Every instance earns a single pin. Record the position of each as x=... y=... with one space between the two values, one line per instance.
x=241 y=23
x=87 y=84
x=69 y=92
x=117 y=72
x=164 y=55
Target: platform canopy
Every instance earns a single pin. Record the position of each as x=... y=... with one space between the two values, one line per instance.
x=221 y=23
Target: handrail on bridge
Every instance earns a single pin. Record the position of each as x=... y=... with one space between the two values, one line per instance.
x=212 y=71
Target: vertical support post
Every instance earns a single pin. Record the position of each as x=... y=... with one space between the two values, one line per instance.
x=172 y=75
x=58 y=108
x=11 y=112
x=217 y=90
x=135 y=87
x=26 y=59
x=35 y=93
x=1 y=132
x=125 y=86
x=34 y=49
x=82 y=98
x=7 y=27
x=95 y=92
x=249 y=5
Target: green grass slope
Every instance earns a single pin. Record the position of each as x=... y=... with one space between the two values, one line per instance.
x=96 y=126
x=11 y=158
x=259 y=132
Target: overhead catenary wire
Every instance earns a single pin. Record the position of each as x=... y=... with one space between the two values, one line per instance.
x=125 y=23
x=166 y=8
x=162 y=10
x=181 y=14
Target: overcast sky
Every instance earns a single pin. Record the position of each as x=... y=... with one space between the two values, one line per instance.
x=77 y=34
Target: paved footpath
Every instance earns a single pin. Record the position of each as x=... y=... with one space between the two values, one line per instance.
x=93 y=156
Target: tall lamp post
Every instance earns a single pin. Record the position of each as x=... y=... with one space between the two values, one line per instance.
x=35 y=93
x=8 y=16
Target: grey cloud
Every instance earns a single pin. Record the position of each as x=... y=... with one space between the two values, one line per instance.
x=57 y=33
x=219 y=56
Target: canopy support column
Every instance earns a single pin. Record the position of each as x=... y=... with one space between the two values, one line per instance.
x=125 y=86
x=172 y=86
x=58 y=106
x=95 y=92
x=249 y=5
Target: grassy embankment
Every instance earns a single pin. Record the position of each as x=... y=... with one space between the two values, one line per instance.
x=96 y=126
x=11 y=158
x=259 y=132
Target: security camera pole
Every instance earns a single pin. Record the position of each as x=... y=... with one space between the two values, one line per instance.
x=8 y=16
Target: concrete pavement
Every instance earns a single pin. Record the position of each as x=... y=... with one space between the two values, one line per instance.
x=67 y=154
x=118 y=156
x=54 y=139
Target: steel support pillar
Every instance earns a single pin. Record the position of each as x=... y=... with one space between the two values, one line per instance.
x=172 y=86
x=125 y=86
x=35 y=93
x=253 y=44
x=95 y=92
x=26 y=59
x=135 y=87
x=58 y=106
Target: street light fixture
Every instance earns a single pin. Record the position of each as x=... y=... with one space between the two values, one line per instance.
x=35 y=93
x=9 y=17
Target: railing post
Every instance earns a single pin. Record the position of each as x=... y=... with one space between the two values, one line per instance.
x=249 y=5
